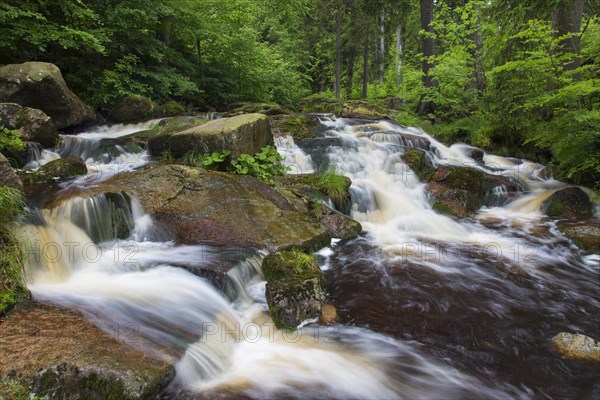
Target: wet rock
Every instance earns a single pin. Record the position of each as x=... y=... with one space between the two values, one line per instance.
x=32 y=124
x=338 y=225
x=8 y=176
x=576 y=346
x=319 y=187
x=328 y=314
x=246 y=133
x=61 y=168
x=568 y=203
x=200 y=206
x=418 y=162
x=41 y=86
x=499 y=190
x=293 y=301
x=456 y=191
x=132 y=108
x=294 y=291
x=58 y=354
x=586 y=234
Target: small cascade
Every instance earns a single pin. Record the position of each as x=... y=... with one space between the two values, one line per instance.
x=294 y=158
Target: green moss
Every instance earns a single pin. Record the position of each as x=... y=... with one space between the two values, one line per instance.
x=12 y=285
x=13 y=390
x=292 y=264
x=555 y=208
x=417 y=160
x=334 y=185
x=299 y=126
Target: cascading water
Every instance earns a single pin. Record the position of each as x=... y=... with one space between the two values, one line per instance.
x=436 y=308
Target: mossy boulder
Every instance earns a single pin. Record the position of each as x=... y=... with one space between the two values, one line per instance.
x=576 y=346
x=568 y=203
x=320 y=104
x=418 y=162
x=41 y=86
x=133 y=108
x=456 y=191
x=292 y=301
x=32 y=124
x=57 y=353
x=585 y=234
x=171 y=108
x=362 y=110
x=222 y=208
x=61 y=168
x=246 y=133
x=299 y=126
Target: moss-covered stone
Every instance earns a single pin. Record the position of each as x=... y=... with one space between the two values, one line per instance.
x=57 y=353
x=261 y=108
x=246 y=133
x=61 y=168
x=418 y=162
x=299 y=126
x=133 y=108
x=292 y=301
x=200 y=206
x=568 y=203
x=171 y=108
x=31 y=124
x=41 y=86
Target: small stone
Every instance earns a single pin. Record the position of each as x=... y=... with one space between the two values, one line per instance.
x=328 y=314
x=576 y=346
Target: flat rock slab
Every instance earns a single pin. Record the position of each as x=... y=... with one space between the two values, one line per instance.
x=244 y=134
x=59 y=354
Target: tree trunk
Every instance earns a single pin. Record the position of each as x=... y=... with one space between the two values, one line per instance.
x=338 y=54
x=399 y=50
x=382 y=47
x=477 y=38
x=428 y=50
x=350 y=77
x=365 y=77
x=566 y=21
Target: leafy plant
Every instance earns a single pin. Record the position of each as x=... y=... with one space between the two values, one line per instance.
x=10 y=140
x=263 y=165
x=210 y=161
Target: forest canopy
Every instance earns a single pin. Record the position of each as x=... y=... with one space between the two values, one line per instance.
x=500 y=74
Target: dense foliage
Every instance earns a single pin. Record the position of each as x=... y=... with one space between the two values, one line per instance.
x=516 y=76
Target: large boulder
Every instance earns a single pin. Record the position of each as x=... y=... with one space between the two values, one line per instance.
x=8 y=176
x=41 y=85
x=576 y=346
x=418 y=162
x=62 y=168
x=222 y=208
x=456 y=191
x=133 y=108
x=294 y=291
x=56 y=353
x=568 y=203
x=246 y=133
x=31 y=124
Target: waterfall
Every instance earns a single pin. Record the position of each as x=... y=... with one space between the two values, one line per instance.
x=432 y=307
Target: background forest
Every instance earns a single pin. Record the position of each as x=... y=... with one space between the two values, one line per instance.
x=518 y=77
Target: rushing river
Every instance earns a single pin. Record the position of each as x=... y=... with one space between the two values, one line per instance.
x=430 y=307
